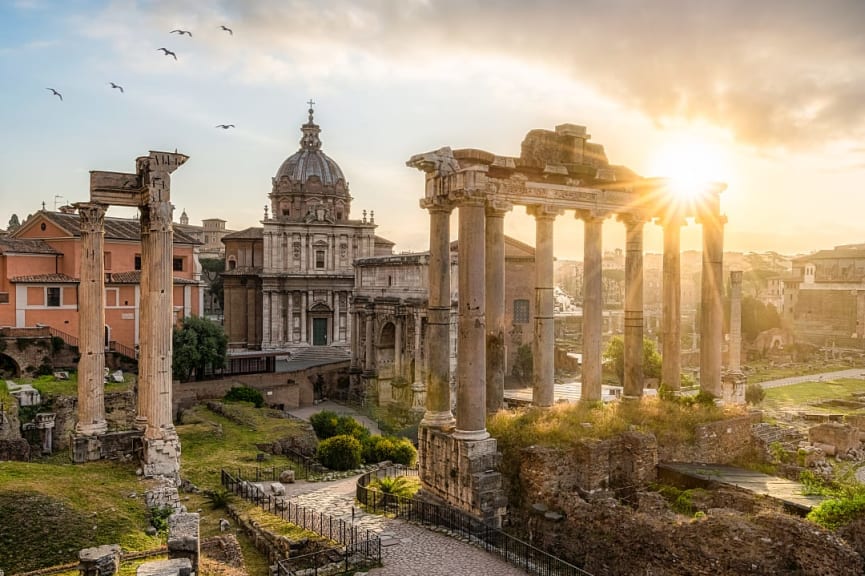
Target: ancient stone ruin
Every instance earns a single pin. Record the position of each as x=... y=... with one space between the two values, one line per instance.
x=149 y=190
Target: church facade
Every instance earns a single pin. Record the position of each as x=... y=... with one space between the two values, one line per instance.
x=288 y=284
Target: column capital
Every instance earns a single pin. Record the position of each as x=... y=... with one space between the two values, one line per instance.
x=711 y=218
x=592 y=215
x=497 y=208
x=671 y=220
x=92 y=216
x=544 y=211
x=437 y=204
x=632 y=220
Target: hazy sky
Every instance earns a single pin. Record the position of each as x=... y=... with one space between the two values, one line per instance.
x=767 y=96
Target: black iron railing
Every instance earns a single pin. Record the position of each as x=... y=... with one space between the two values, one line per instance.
x=513 y=550
x=358 y=544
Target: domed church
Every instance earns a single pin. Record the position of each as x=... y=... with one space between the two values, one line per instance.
x=288 y=284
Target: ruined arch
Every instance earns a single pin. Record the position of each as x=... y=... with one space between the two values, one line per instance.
x=9 y=368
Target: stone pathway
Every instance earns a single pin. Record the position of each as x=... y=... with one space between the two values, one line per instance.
x=406 y=549
x=851 y=373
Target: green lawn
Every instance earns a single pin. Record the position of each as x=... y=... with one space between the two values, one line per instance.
x=804 y=395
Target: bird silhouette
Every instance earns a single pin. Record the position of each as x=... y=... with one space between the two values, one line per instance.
x=118 y=86
x=224 y=126
x=167 y=52
x=181 y=32
x=56 y=93
x=227 y=29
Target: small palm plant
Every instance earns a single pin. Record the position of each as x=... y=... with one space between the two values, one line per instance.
x=218 y=498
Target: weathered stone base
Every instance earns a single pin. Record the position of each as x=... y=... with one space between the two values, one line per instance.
x=112 y=445
x=183 y=537
x=161 y=456
x=173 y=567
x=733 y=383
x=99 y=561
x=418 y=399
x=462 y=473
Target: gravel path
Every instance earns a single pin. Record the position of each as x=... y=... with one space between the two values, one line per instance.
x=851 y=373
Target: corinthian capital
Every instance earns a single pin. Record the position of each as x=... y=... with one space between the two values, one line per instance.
x=92 y=217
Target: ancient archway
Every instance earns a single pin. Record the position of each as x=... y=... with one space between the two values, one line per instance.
x=9 y=368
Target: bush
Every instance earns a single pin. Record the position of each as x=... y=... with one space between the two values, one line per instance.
x=754 y=394
x=245 y=394
x=839 y=512
x=340 y=452
x=328 y=424
x=398 y=450
x=57 y=344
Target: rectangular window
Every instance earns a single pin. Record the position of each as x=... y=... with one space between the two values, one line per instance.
x=521 y=311
x=4 y=297
x=138 y=261
x=178 y=264
x=319 y=258
x=106 y=257
x=52 y=296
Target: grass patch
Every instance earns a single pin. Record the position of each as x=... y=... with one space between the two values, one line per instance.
x=562 y=425
x=59 y=509
x=806 y=393
x=50 y=386
x=765 y=372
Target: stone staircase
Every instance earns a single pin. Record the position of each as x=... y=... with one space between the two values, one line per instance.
x=311 y=356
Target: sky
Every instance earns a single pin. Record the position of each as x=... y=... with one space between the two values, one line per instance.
x=766 y=96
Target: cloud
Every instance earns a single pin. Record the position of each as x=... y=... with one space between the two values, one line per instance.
x=787 y=74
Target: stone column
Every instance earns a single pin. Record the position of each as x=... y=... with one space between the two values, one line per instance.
x=161 y=452
x=397 y=346
x=289 y=330
x=266 y=320
x=712 y=312
x=495 y=303
x=91 y=335
x=335 y=339
x=418 y=390
x=304 y=305
x=354 y=336
x=671 y=344
x=633 y=387
x=734 y=357
x=471 y=333
x=543 y=392
x=438 y=394
x=593 y=305
x=368 y=365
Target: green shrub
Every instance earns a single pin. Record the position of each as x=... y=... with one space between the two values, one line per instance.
x=395 y=486
x=840 y=511
x=398 y=450
x=754 y=394
x=340 y=452
x=218 y=498
x=245 y=394
x=57 y=343
x=328 y=423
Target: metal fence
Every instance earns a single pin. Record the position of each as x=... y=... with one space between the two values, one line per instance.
x=358 y=544
x=513 y=550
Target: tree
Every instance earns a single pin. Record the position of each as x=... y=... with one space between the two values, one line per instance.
x=211 y=272
x=757 y=317
x=14 y=224
x=615 y=355
x=198 y=343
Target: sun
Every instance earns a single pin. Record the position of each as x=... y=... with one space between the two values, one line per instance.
x=691 y=159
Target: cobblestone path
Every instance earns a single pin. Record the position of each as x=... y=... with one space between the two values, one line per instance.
x=407 y=549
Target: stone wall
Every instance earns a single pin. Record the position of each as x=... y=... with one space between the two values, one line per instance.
x=119 y=414
x=842 y=437
x=591 y=467
x=719 y=442
x=29 y=349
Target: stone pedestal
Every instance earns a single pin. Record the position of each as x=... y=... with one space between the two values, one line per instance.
x=45 y=425
x=161 y=456
x=175 y=567
x=99 y=561
x=183 y=537
x=85 y=448
x=462 y=473
x=733 y=384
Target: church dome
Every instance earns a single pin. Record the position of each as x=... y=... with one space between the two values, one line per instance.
x=309 y=184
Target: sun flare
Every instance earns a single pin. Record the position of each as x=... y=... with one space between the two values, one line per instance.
x=691 y=160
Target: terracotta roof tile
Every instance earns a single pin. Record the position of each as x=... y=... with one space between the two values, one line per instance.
x=25 y=246
x=44 y=279
x=115 y=228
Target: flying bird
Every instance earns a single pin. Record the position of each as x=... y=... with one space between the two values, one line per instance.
x=118 y=86
x=181 y=32
x=227 y=29
x=56 y=93
x=225 y=126
x=167 y=52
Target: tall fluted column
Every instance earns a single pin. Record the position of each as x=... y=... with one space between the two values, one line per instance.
x=397 y=347
x=712 y=317
x=471 y=333
x=671 y=344
x=734 y=358
x=157 y=299
x=495 y=303
x=438 y=394
x=593 y=305
x=369 y=358
x=91 y=336
x=354 y=336
x=266 y=320
x=633 y=307
x=543 y=392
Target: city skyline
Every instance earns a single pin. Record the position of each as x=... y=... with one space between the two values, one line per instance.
x=722 y=92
